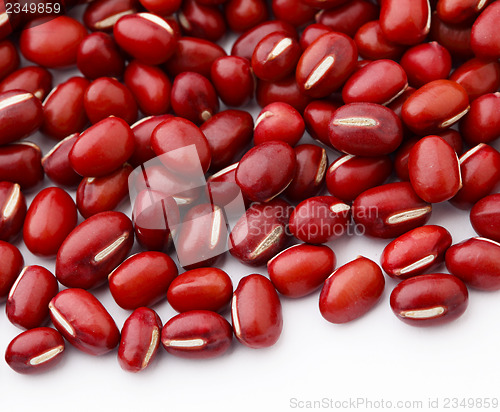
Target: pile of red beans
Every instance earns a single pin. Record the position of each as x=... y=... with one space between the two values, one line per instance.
x=405 y=90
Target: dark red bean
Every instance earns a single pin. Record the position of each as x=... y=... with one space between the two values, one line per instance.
x=56 y=163
x=478 y=77
x=266 y=170
x=197 y=334
x=161 y=7
x=485 y=217
x=285 y=91
x=435 y=107
x=256 y=325
x=309 y=174
x=434 y=170
x=154 y=214
x=53 y=43
x=276 y=56
x=64 y=110
x=21 y=114
x=35 y=350
x=142 y=280
x=261 y=233
x=102 y=148
x=98 y=56
x=193 y=55
x=326 y=64
x=33 y=79
x=456 y=38
x=365 y=129
x=194 y=98
x=200 y=289
x=380 y=82
x=405 y=21
x=150 y=87
x=415 y=252
x=93 y=249
x=426 y=62
x=202 y=238
x=27 y=304
x=21 y=163
x=295 y=12
x=146 y=36
x=142 y=135
x=347 y=18
x=51 y=217
x=243 y=15
x=454 y=12
x=476 y=261
x=429 y=299
x=349 y=175
x=372 y=43
x=108 y=97
x=199 y=20
x=140 y=340
x=13 y=210
x=278 y=122
x=480 y=170
x=320 y=219
x=233 y=80
x=485 y=39
x=390 y=210
x=84 y=321
x=301 y=269
x=158 y=178
x=12 y=264
x=311 y=33
x=227 y=133
x=102 y=194
x=317 y=117
x=351 y=291
x=223 y=190
x=177 y=133
x=9 y=58
x=103 y=14
x=245 y=44
x=481 y=124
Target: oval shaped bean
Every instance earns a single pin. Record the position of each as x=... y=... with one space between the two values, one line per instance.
x=142 y=280
x=415 y=252
x=84 y=321
x=93 y=249
x=485 y=217
x=200 y=289
x=429 y=299
x=29 y=297
x=13 y=210
x=390 y=210
x=50 y=218
x=365 y=129
x=197 y=334
x=21 y=114
x=301 y=269
x=477 y=262
x=351 y=291
x=140 y=340
x=261 y=233
x=35 y=350
x=256 y=312
x=326 y=64
x=435 y=106
x=434 y=170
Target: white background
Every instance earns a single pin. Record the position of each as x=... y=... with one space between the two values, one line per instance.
x=375 y=358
